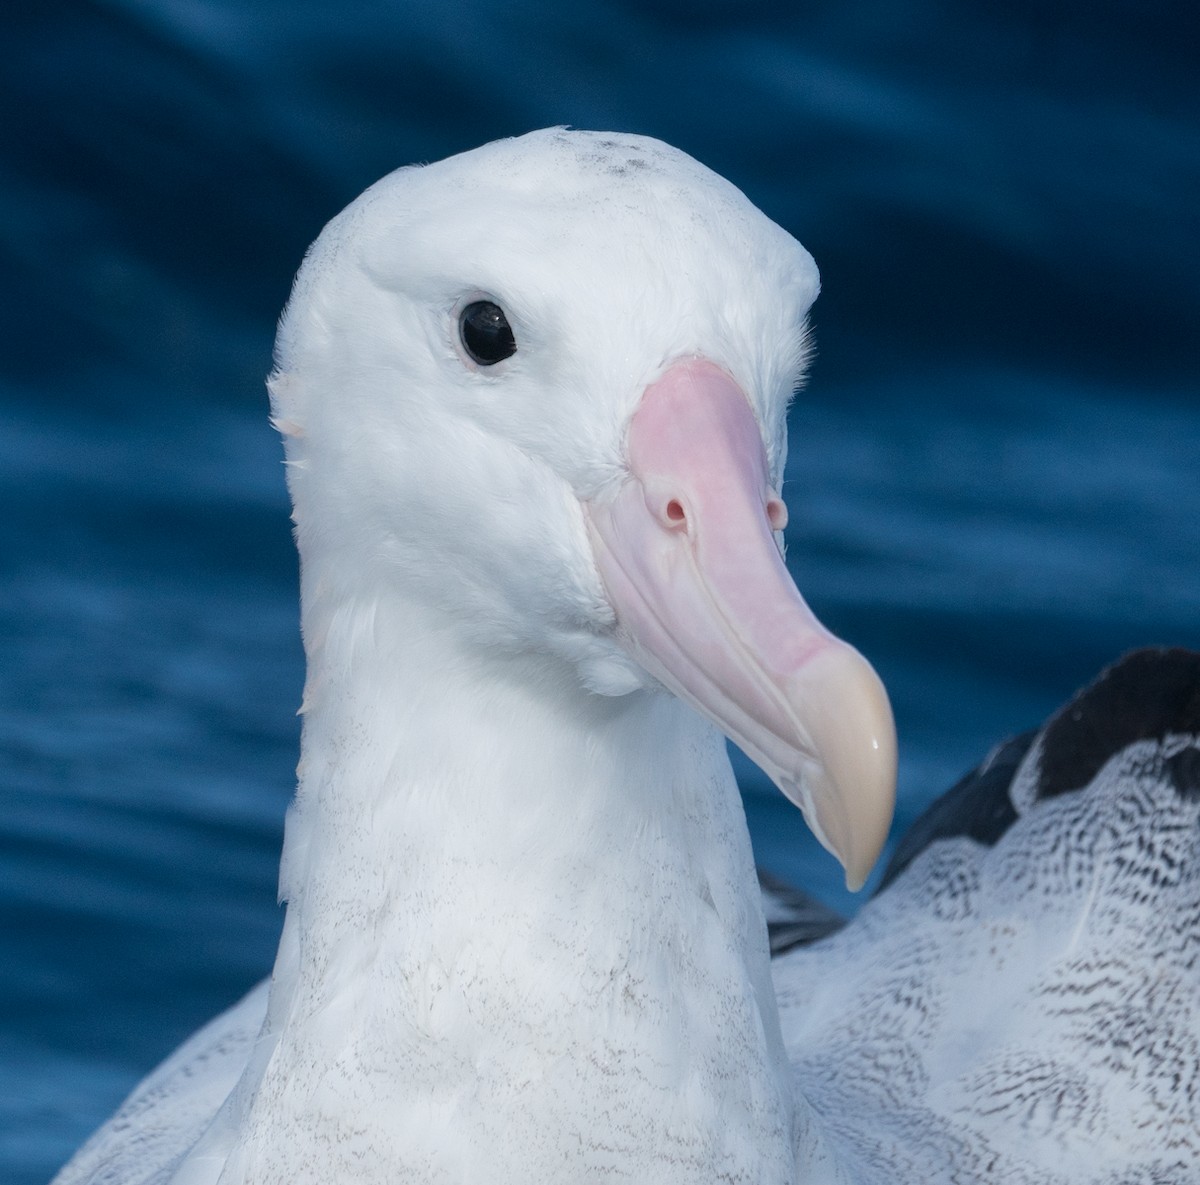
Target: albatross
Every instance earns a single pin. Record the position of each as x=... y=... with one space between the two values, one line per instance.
x=533 y=403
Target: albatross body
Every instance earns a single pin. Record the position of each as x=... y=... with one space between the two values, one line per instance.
x=533 y=402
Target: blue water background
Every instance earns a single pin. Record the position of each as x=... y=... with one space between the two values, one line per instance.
x=994 y=475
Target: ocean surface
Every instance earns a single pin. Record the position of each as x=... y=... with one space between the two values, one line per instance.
x=994 y=477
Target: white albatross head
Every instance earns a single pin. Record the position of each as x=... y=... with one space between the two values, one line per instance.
x=605 y=495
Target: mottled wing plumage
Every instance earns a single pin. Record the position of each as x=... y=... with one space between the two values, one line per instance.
x=1150 y=694
x=1024 y=1005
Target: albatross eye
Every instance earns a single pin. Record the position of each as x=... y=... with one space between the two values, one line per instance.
x=485 y=332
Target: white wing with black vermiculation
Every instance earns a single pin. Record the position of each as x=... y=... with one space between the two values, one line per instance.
x=1022 y=1002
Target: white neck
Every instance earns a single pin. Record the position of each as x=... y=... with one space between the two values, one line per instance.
x=524 y=939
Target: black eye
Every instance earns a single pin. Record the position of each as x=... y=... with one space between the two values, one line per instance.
x=486 y=334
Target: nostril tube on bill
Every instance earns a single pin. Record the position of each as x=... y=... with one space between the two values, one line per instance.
x=777 y=513
x=668 y=506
